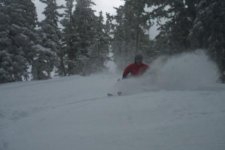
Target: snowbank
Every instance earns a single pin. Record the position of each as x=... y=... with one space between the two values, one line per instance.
x=74 y=113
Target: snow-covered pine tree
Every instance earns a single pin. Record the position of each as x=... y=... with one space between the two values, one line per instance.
x=99 y=50
x=80 y=43
x=130 y=36
x=68 y=34
x=109 y=25
x=17 y=38
x=179 y=17
x=50 y=40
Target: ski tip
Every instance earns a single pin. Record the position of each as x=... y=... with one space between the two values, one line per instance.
x=109 y=94
x=119 y=93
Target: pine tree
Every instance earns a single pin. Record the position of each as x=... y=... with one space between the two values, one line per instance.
x=17 y=38
x=99 y=49
x=208 y=30
x=81 y=42
x=67 y=38
x=130 y=35
x=46 y=56
x=109 y=27
x=179 y=16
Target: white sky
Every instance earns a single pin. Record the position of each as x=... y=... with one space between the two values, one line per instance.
x=101 y=5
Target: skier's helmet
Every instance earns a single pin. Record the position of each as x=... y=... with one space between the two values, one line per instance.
x=138 y=58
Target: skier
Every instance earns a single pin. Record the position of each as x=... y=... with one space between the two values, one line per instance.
x=135 y=69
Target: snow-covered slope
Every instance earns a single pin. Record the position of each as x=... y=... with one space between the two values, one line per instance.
x=74 y=113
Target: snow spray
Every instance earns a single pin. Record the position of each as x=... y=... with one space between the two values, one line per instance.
x=187 y=71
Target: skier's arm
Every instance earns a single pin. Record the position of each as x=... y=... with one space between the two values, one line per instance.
x=126 y=72
x=146 y=67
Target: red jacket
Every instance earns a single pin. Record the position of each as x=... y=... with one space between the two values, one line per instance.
x=135 y=69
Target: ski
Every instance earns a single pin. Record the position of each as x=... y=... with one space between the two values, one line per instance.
x=117 y=94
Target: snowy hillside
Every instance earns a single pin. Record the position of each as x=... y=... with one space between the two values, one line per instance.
x=157 y=112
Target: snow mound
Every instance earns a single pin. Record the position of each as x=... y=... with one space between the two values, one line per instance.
x=187 y=71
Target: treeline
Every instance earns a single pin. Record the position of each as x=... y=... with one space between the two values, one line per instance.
x=78 y=41
x=184 y=25
x=74 y=42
